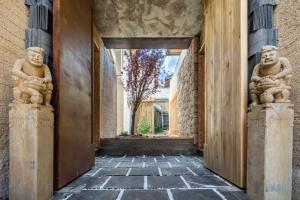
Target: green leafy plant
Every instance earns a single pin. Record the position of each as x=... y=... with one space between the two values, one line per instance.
x=144 y=127
x=158 y=130
x=124 y=133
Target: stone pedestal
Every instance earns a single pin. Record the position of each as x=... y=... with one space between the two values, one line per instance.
x=270 y=145
x=30 y=152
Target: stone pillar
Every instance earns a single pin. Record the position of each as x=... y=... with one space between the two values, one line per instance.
x=270 y=145
x=31 y=152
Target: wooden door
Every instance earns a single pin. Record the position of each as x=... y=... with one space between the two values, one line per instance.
x=226 y=88
x=72 y=45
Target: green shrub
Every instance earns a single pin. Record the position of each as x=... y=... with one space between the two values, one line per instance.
x=124 y=133
x=144 y=127
x=158 y=130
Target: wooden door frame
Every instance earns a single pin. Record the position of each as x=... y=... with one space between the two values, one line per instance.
x=96 y=48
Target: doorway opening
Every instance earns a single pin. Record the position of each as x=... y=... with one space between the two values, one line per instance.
x=161 y=125
x=220 y=62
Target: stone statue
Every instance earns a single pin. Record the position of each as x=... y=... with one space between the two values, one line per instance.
x=32 y=79
x=270 y=81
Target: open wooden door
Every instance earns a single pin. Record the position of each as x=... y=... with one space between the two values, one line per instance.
x=226 y=88
x=72 y=45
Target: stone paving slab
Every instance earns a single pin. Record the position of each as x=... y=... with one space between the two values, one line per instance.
x=176 y=171
x=201 y=171
x=95 y=195
x=125 y=182
x=204 y=181
x=234 y=195
x=150 y=177
x=130 y=164
x=145 y=195
x=113 y=172
x=96 y=182
x=147 y=171
x=158 y=164
x=204 y=194
x=158 y=182
x=106 y=164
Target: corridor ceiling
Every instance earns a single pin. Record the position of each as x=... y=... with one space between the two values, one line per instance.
x=148 y=18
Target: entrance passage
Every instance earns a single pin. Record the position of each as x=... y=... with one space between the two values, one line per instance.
x=180 y=177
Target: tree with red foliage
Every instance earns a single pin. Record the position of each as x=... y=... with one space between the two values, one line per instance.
x=142 y=68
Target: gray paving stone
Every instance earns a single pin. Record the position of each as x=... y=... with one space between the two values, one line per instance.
x=124 y=159
x=60 y=196
x=235 y=195
x=130 y=164
x=176 y=171
x=79 y=182
x=108 y=178
x=96 y=182
x=185 y=164
x=195 y=195
x=201 y=171
x=96 y=195
x=112 y=172
x=156 y=182
x=145 y=195
x=106 y=164
x=158 y=164
x=200 y=181
x=125 y=182
x=149 y=171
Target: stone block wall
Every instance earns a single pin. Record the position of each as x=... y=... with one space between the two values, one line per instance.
x=108 y=95
x=187 y=93
x=287 y=21
x=13 y=22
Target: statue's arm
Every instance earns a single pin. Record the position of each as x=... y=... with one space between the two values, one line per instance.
x=255 y=74
x=17 y=69
x=48 y=77
x=287 y=68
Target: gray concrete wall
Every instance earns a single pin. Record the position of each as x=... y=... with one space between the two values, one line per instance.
x=155 y=18
x=108 y=95
x=13 y=22
x=287 y=20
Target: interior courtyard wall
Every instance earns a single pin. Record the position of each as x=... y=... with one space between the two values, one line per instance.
x=108 y=95
x=187 y=93
x=287 y=20
x=13 y=22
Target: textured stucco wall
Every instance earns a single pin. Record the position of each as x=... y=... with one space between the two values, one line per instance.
x=13 y=22
x=108 y=95
x=187 y=91
x=287 y=20
x=148 y=18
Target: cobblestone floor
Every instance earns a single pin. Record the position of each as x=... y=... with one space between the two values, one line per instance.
x=150 y=178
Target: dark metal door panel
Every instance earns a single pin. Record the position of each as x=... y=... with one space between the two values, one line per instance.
x=72 y=52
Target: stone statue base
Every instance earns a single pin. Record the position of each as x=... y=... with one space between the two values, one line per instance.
x=270 y=145
x=30 y=152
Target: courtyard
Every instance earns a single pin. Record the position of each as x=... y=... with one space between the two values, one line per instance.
x=150 y=178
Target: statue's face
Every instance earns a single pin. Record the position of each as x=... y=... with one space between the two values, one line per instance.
x=35 y=57
x=269 y=57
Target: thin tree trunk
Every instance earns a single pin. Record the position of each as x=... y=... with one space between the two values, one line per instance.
x=132 y=127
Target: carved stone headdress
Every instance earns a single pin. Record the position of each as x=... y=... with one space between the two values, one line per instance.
x=268 y=48
x=36 y=49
